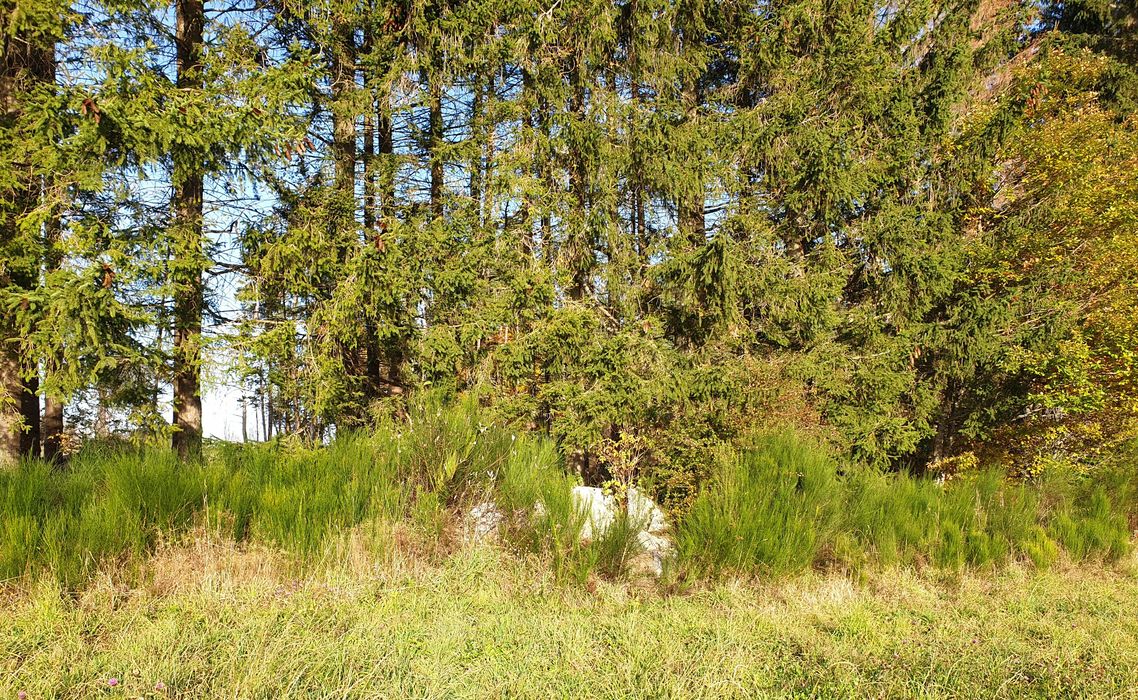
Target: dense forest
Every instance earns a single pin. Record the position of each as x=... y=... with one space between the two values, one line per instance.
x=581 y=348
x=643 y=227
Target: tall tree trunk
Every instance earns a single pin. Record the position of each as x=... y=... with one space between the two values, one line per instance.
x=11 y=416
x=369 y=149
x=102 y=425
x=369 y=175
x=373 y=382
x=486 y=205
x=639 y=241
x=435 y=145
x=526 y=213
x=477 y=134
x=544 y=166
x=25 y=60
x=51 y=426
x=581 y=254
x=343 y=117
x=270 y=416
x=393 y=354
x=11 y=383
x=385 y=208
x=639 y=233
x=385 y=149
x=344 y=152
x=690 y=208
x=187 y=268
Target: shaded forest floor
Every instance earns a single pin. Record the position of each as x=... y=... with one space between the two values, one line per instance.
x=207 y=619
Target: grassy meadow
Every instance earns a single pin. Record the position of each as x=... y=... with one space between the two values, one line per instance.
x=347 y=570
x=212 y=621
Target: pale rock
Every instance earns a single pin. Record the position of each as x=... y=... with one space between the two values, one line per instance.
x=655 y=551
x=483 y=521
x=644 y=512
x=599 y=510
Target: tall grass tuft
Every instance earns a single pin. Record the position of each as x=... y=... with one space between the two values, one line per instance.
x=111 y=503
x=784 y=506
x=115 y=503
x=770 y=512
x=779 y=507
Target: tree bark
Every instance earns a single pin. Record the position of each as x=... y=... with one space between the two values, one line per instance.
x=690 y=209
x=385 y=149
x=387 y=382
x=639 y=233
x=187 y=269
x=385 y=208
x=544 y=165
x=369 y=129
x=51 y=426
x=581 y=252
x=343 y=49
x=478 y=134
x=11 y=384
x=11 y=416
x=486 y=202
x=369 y=176
x=526 y=213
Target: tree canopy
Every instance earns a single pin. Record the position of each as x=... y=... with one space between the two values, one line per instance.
x=643 y=226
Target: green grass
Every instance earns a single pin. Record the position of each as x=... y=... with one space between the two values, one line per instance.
x=482 y=624
x=115 y=504
x=782 y=506
x=779 y=507
x=283 y=571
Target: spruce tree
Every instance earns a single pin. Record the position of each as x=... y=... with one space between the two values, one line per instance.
x=27 y=74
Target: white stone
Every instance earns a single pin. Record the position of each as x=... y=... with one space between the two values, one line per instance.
x=599 y=510
x=644 y=512
x=483 y=520
x=656 y=550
